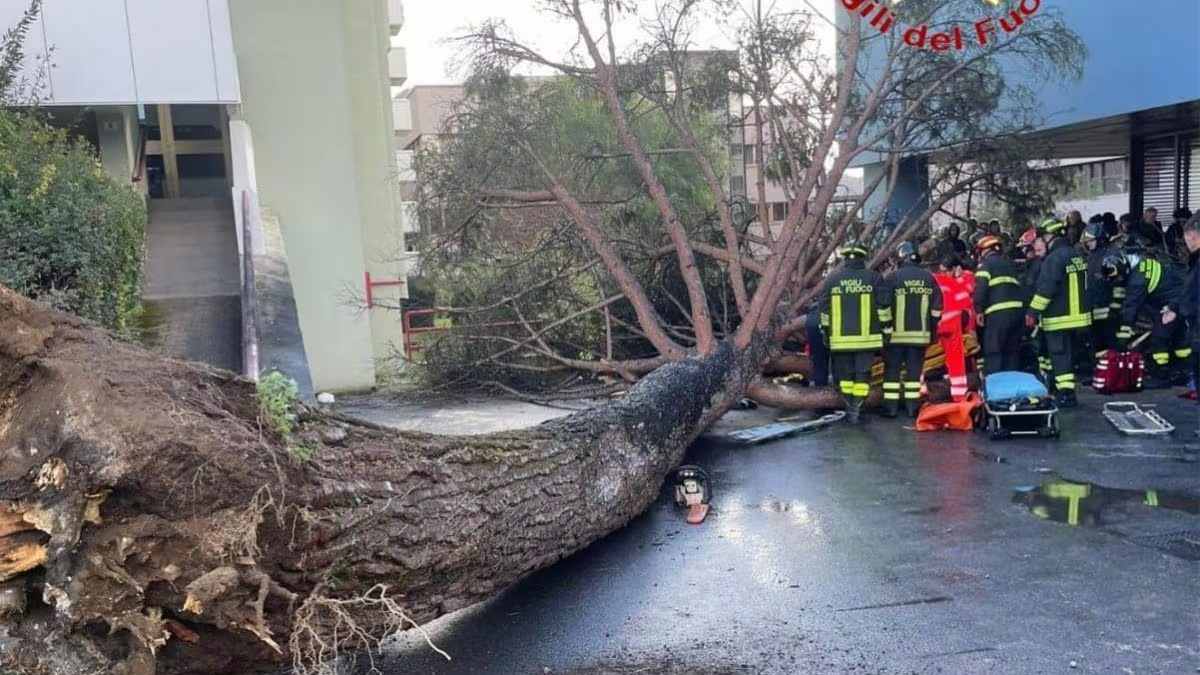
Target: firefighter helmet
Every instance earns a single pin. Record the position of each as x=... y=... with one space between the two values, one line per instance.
x=988 y=242
x=1052 y=226
x=1095 y=232
x=852 y=249
x=1027 y=238
x=1115 y=266
x=907 y=252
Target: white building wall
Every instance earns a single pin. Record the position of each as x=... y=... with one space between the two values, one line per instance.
x=131 y=51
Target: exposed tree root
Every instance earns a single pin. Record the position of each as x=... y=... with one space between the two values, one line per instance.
x=148 y=523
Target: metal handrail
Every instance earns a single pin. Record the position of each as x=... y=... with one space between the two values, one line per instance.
x=249 y=296
x=139 y=171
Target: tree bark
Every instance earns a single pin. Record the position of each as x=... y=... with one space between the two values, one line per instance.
x=149 y=523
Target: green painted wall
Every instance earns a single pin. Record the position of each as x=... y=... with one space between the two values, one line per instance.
x=314 y=93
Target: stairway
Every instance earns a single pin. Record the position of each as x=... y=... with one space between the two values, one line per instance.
x=192 y=290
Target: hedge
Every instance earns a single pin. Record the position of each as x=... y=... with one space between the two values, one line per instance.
x=70 y=235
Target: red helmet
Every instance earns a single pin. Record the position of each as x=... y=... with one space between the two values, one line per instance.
x=1028 y=237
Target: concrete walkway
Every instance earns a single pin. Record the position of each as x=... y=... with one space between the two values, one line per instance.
x=867 y=550
x=192 y=289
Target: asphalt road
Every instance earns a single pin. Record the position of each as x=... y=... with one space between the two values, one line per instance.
x=870 y=550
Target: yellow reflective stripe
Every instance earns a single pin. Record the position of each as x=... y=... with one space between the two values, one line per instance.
x=856 y=343
x=891 y=386
x=1001 y=306
x=937 y=314
x=1183 y=353
x=1153 y=272
x=1000 y=281
x=836 y=311
x=1039 y=303
x=1065 y=322
x=864 y=314
x=908 y=338
x=924 y=312
x=1100 y=314
x=983 y=274
x=1074 y=297
x=862 y=389
x=1151 y=498
x=885 y=315
x=1125 y=332
x=1118 y=291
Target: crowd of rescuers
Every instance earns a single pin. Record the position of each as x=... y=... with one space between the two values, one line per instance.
x=1048 y=301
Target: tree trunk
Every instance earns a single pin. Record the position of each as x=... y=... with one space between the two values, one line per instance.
x=150 y=523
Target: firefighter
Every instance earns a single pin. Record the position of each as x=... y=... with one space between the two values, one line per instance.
x=855 y=308
x=1059 y=306
x=999 y=307
x=1106 y=295
x=1161 y=289
x=1032 y=251
x=917 y=307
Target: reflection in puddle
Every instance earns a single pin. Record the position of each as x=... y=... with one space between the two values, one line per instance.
x=1084 y=503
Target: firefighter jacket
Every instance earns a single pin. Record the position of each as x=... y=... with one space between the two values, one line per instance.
x=855 y=308
x=997 y=286
x=1061 y=295
x=1104 y=295
x=1155 y=286
x=916 y=303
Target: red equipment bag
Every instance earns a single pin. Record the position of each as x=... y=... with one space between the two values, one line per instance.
x=1118 y=372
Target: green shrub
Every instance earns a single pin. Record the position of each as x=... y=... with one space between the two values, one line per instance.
x=277 y=397
x=70 y=235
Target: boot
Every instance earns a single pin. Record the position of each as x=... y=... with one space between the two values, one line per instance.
x=854 y=411
x=912 y=406
x=1065 y=398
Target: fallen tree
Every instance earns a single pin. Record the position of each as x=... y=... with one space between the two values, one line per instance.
x=151 y=523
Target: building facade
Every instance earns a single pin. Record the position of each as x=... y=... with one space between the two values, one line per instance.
x=275 y=115
x=1138 y=102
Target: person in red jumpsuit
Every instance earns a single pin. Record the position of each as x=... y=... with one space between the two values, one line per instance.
x=958 y=318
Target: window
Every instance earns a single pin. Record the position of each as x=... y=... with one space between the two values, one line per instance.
x=737 y=185
x=778 y=211
x=748 y=154
x=735 y=150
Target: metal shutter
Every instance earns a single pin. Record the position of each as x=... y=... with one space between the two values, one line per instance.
x=1160 y=175
x=1192 y=175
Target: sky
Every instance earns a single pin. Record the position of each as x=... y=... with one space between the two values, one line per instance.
x=428 y=22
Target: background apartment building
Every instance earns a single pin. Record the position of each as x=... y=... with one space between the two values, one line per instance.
x=274 y=115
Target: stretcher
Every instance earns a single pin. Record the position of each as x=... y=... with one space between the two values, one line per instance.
x=1132 y=419
x=783 y=429
x=1017 y=404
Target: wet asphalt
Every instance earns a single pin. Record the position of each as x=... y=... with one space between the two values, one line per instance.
x=869 y=550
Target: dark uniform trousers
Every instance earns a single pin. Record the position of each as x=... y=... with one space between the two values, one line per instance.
x=910 y=358
x=1001 y=340
x=852 y=371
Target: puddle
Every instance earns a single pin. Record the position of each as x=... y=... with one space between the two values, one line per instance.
x=1084 y=504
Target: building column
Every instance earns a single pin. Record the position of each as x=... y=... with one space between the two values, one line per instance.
x=1137 y=176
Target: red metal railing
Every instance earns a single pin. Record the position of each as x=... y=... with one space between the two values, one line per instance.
x=370 y=285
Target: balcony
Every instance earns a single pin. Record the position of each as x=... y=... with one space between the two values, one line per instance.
x=395 y=16
x=397 y=66
x=401 y=114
